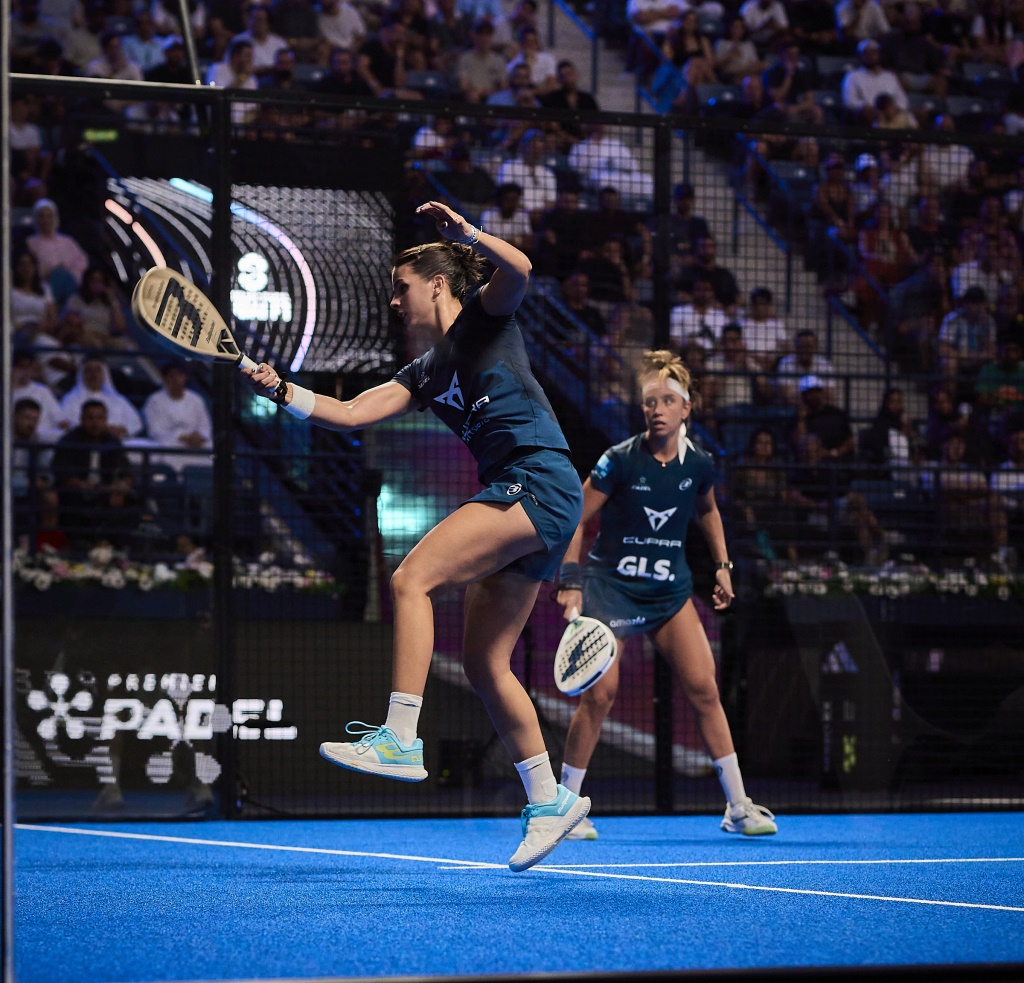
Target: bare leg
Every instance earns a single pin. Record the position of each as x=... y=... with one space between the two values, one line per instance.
x=474 y=542
x=497 y=608
x=585 y=726
x=684 y=644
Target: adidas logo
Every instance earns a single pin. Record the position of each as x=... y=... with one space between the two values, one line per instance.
x=658 y=519
x=839 y=660
x=453 y=395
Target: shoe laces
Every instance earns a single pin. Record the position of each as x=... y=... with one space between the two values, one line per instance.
x=756 y=811
x=371 y=733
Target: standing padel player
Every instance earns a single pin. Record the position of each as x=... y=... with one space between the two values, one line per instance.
x=647 y=489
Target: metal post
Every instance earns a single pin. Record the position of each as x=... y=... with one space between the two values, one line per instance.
x=6 y=564
x=662 y=208
x=664 y=793
x=223 y=445
x=190 y=42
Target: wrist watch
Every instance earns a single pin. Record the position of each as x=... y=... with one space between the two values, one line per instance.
x=724 y=565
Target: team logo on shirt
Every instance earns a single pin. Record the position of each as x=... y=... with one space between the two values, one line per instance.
x=603 y=466
x=641 y=484
x=453 y=395
x=658 y=519
x=685 y=483
x=514 y=489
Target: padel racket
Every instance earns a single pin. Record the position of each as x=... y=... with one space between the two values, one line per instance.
x=181 y=318
x=585 y=653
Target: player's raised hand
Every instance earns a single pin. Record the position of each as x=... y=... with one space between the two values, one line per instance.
x=448 y=223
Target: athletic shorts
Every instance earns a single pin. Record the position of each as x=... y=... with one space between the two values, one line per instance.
x=549 y=488
x=625 y=615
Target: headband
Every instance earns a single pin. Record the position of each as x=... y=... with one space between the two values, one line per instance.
x=672 y=384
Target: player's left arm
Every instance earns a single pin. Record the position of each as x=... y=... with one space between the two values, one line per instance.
x=710 y=521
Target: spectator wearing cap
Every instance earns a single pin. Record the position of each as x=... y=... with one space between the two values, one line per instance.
x=509 y=220
x=863 y=85
x=967 y=336
x=816 y=414
x=805 y=361
x=173 y=67
x=865 y=186
x=177 y=418
x=144 y=47
x=481 y=70
x=861 y=20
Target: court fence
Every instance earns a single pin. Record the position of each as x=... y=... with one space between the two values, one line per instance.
x=184 y=649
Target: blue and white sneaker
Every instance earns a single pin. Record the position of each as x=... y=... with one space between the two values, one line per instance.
x=546 y=824
x=749 y=819
x=378 y=752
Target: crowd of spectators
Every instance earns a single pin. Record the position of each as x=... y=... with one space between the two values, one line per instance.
x=921 y=241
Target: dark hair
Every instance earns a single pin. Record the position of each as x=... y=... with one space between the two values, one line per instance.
x=93 y=402
x=236 y=45
x=458 y=264
x=27 y=403
x=752 y=439
x=36 y=283
x=761 y=293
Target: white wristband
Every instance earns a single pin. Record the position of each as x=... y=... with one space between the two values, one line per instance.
x=303 y=402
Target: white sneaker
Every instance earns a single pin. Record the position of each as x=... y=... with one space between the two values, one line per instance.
x=749 y=819
x=584 y=830
x=546 y=824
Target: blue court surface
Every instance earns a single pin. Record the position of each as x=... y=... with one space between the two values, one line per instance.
x=348 y=898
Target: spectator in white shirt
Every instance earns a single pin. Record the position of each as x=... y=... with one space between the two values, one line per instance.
x=536 y=179
x=766 y=22
x=144 y=47
x=341 y=24
x=764 y=334
x=804 y=361
x=509 y=220
x=701 y=321
x=542 y=64
x=862 y=86
x=655 y=17
x=235 y=72
x=25 y=384
x=859 y=20
x=606 y=162
x=265 y=44
x=176 y=417
x=944 y=166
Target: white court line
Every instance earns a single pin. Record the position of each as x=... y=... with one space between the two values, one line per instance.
x=797 y=863
x=473 y=864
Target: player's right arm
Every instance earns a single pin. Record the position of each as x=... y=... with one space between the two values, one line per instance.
x=381 y=403
x=593 y=502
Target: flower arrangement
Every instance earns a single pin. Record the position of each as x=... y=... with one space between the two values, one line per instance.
x=107 y=567
x=892 y=580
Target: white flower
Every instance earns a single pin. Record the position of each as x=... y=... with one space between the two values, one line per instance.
x=205 y=570
x=43 y=580
x=113 y=578
x=163 y=574
x=101 y=555
x=267 y=558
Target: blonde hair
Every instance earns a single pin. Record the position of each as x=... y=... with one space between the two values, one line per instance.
x=458 y=264
x=662 y=365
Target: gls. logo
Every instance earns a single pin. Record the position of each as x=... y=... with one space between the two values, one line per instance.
x=453 y=395
x=658 y=519
x=636 y=566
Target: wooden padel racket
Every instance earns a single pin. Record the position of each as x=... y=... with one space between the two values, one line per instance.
x=181 y=318
x=584 y=654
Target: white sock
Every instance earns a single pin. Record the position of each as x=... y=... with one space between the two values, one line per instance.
x=572 y=778
x=728 y=771
x=404 y=716
x=538 y=778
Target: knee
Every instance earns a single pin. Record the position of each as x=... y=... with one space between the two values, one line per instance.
x=406 y=582
x=599 y=699
x=482 y=676
x=703 y=694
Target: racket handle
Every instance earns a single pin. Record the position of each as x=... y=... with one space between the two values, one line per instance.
x=244 y=362
x=574 y=614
